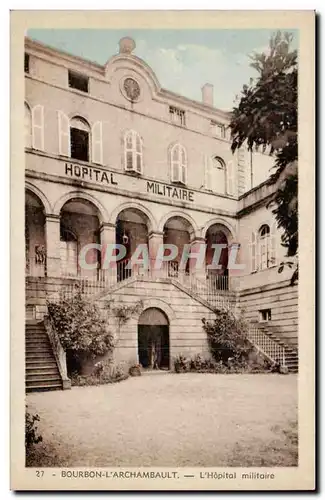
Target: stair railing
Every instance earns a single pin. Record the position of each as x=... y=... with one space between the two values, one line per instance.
x=274 y=351
x=58 y=351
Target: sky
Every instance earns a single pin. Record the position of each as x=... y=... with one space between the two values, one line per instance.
x=183 y=60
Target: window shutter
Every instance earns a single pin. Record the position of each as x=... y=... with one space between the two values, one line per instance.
x=174 y=171
x=64 y=134
x=183 y=173
x=207 y=172
x=174 y=160
x=97 y=143
x=138 y=152
x=38 y=127
x=129 y=160
x=273 y=260
x=139 y=163
x=230 y=178
x=28 y=127
x=254 y=256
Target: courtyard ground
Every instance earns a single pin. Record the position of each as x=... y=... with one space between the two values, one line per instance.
x=167 y=419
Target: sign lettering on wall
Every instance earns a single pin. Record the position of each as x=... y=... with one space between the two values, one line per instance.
x=170 y=191
x=89 y=174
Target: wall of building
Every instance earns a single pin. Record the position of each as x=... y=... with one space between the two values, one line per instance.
x=282 y=300
x=184 y=313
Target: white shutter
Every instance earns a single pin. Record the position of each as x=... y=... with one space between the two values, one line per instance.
x=64 y=134
x=97 y=143
x=230 y=178
x=273 y=259
x=38 y=127
x=183 y=173
x=138 y=158
x=207 y=172
x=175 y=162
x=254 y=253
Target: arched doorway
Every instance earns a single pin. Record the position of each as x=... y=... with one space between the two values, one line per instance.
x=131 y=231
x=79 y=226
x=217 y=235
x=179 y=232
x=153 y=339
x=35 y=246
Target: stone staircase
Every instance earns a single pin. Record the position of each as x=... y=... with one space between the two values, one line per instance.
x=291 y=354
x=42 y=372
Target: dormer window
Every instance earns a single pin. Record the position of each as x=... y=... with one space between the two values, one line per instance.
x=218 y=130
x=78 y=81
x=177 y=115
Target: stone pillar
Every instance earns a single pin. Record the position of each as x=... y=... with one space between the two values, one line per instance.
x=52 y=238
x=156 y=239
x=197 y=269
x=235 y=267
x=109 y=267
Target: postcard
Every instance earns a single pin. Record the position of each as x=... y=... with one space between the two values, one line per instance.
x=161 y=321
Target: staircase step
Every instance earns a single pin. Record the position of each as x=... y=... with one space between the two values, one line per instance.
x=41 y=362
x=47 y=386
x=41 y=370
x=30 y=356
x=43 y=377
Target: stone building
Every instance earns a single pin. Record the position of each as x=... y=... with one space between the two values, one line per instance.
x=111 y=157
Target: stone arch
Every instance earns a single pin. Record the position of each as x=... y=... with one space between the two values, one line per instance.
x=132 y=62
x=37 y=192
x=230 y=230
x=158 y=304
x=84 y=117
x=177 y=213
x=102 y=212
x=138 y=206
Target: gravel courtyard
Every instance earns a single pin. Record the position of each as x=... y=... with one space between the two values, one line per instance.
x=166 y=419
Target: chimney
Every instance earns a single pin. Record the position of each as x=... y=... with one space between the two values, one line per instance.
x=207 y=94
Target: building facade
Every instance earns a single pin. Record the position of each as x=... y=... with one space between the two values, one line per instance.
x=111 y=157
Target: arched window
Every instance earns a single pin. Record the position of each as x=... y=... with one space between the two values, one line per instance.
x=178 y=160
x=133 y=157
x=263 y=248
x=79 y=139
x=218 y=175
x=28 y=127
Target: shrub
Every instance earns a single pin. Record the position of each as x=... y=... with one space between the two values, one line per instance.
x=181 y=364
x=227 y=337
x=31 y=429
x=135 y=370
x=82 y=329
x=103 y=373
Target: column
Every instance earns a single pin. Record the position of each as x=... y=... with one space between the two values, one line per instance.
x=235 y=267
x=197 y=266
x=108 y=271
x=156 y=239
x=52 y=238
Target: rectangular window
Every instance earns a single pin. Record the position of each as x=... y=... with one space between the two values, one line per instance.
x=78 y=81
x=265 y=315
x=79 y=140
x=177 y=115
x=26 y=63
x=218 y=130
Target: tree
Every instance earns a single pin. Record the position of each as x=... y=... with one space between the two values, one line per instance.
x=266 y=118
